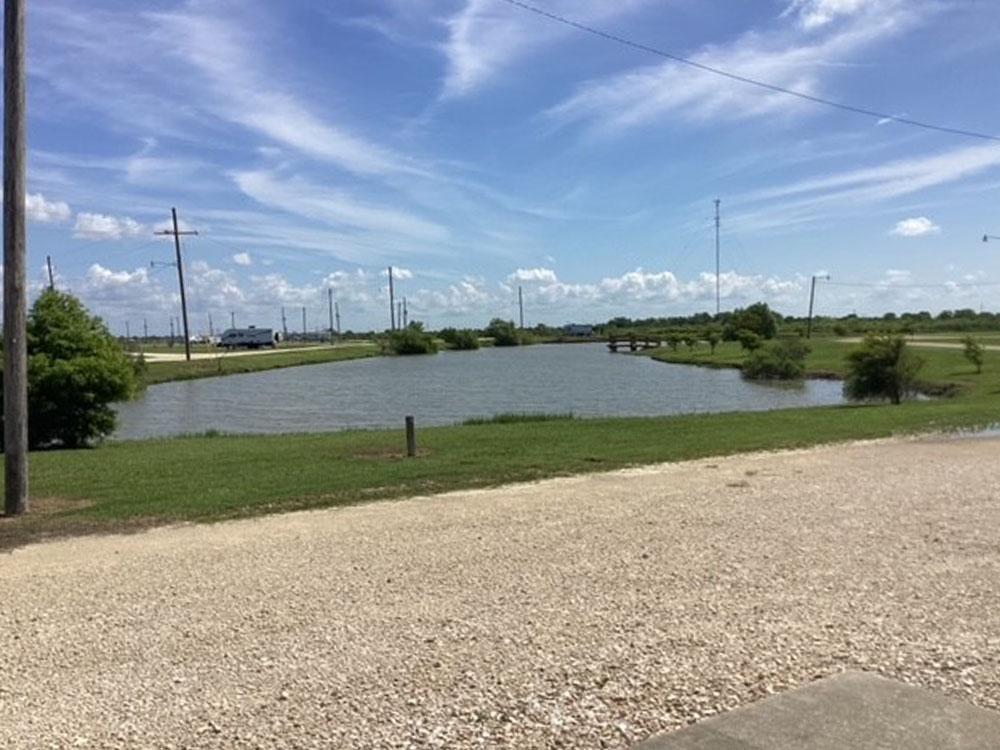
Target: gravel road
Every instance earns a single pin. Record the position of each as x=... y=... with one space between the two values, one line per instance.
x=573 y=613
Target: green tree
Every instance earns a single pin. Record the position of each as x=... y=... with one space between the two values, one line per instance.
x=460 y=339
x=758 y=318
x=713 y=338
x=974 y=352
x=503 y=332
x=749 y=340
x=883 y=367
x=76 y=370
x=780 y=360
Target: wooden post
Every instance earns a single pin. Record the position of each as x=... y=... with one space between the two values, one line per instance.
x=15 y=298
x=411 y=438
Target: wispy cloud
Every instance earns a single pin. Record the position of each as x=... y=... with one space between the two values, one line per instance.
x=103 y=227
x=40 y=209
x=782 y=57
x=917 y=226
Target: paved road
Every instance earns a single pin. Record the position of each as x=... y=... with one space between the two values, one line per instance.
x=573 y=613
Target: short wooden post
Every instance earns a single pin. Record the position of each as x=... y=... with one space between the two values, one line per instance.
x=411 y=438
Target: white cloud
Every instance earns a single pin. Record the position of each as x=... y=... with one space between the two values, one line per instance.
x=813 y=14
x=44 y=211
x=103 y=227
x=533 y=274
x=485 y=36
x=242 y=259
x=653 y=93
x=916 y=227
x=336 y=207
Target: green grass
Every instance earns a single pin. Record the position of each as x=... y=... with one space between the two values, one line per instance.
x=514 y=417
x=162 y=372
x=130 y=485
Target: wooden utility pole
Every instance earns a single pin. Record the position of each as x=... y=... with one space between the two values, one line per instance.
x=718 y=294
x=180 y=278
x=171 y=330
x=812 y=297
x=52 y=282
x=520 y=307
x=145 y=329
x=128 y=332
x=406 y=314
x=284 y=324
x=304 y=329
x=329 y=299
x=336 y=315
x=392 y=303
x=15 y=297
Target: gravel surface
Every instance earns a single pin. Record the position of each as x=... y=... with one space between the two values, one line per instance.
x=573 y=613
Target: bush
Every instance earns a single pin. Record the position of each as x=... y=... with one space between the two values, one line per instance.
x=503 y=332
x=883 y=367
x=412 y=340
x=713 y=338
x=974 y=352
x=460 y=339
x=782 y=360
x=76 y=370
x=749 y=341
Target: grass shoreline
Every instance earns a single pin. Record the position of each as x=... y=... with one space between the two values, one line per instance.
x=133 y=485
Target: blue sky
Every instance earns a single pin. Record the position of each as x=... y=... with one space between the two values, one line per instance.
x=476 y=146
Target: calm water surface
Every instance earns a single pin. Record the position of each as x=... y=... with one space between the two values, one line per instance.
x=584 y=379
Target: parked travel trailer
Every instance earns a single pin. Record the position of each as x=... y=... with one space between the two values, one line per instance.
x=251 y=338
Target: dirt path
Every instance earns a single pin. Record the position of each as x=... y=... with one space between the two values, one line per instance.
x=179 y=356
x=574 y=613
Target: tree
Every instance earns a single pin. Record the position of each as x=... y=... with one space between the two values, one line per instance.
x=974 y=352
x=76 y=370
x=503 y=332
x=781 y=360
x=749 y=340
x=713 y=338
x=460 y=339
x=758 y=318
x=883 y=367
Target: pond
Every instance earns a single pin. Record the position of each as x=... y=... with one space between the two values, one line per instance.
x=584 y=379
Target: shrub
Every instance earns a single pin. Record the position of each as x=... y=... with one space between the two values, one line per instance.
x=782 y=360
x=749 y=341
x=757 y=318
x=460 y=339
x=974 y=352
x=883 y=367
x=674 y=341
x=76 y=370
x=412 y=340
x=713 y=338
x=839 y=329
x=503 y=332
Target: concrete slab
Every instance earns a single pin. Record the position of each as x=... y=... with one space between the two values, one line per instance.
x=851 y=711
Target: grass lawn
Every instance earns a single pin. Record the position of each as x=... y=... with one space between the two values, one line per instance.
x=162 y=372
x=129 y=485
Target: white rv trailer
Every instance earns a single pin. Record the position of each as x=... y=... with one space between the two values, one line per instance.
x=251 y=338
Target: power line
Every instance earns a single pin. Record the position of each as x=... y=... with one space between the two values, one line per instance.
x=893 y=285
x=749 y=81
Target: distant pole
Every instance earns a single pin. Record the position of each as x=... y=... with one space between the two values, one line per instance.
x=284 y=323
x=128 y=333
x=52 y=282
x=392 y=303
x=232 y=319
x=211 y=331
x=171 y=330
x=406 y=314
x=329 y=299
x=812 y=298
x=399 y=314
x=180 y=278
x=336 y=315
x=718 y=293
x=303 y=322
x=520 y=306
x=145 y=327
x=15 y=297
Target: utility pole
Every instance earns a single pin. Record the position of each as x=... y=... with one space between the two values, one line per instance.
x=399 y=314
x=304 y=329
x=406 y=314
x=211 y=331
x=392 y=303
x=232 y=319
x=284 y=324
x=15 y=297
x=812 y=297
x=128 y=333
x=171 y=330
x=329 y=299
x=520 y=307
x=336 y=315
x=180 y=278
x=52 y=282
x=718 y=294
x=145 y=328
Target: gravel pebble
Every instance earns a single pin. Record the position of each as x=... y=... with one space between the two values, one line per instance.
x=583 y=612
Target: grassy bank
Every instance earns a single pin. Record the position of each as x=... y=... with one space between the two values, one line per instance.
x=162 y=372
